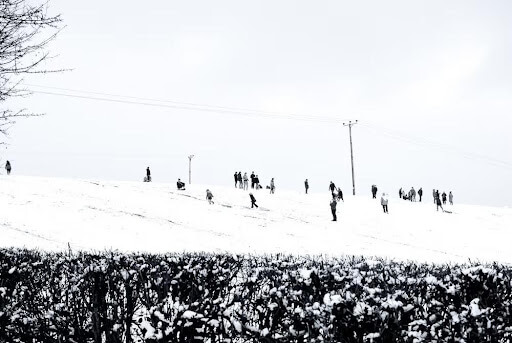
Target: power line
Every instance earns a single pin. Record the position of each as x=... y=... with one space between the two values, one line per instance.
x=397 y=135
x=184 y=105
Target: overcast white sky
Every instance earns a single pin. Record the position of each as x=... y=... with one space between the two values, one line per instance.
x=429 y=81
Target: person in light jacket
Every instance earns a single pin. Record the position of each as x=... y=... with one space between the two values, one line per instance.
x=384 y=202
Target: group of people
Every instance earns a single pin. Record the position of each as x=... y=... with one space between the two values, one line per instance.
x=411 y=195
x=242 y=182
x=438 y=198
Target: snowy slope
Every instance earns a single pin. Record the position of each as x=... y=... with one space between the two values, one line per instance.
x=49 y=213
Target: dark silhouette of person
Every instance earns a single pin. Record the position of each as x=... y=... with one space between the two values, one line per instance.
x=239 y=179
x=8 y=167
x=420 y=193
x=148 y=175
x=438 y=204
x=306 y=185
x=252 y=180
x=332 y=186
x=400 y=193
x=209 y=196
x=333 y=209
x=253 y=200
x=180 y=184
x=236 y=179
x=444 y=198
x=340 y=194
x=374 y=191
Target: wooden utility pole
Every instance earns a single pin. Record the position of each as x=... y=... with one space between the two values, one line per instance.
x=350 y=124
x=190 y=169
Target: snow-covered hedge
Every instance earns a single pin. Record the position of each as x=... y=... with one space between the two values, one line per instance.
x=113 y=297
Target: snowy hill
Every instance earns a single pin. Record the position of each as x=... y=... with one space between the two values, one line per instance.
x=49 y=213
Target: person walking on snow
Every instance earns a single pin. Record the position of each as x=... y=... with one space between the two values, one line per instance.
x=246 y=181
x=333 y=209
x=272 y=186
x=384 y=202
x=209 y=196
x=444 y=198
x=306 y=185
x=8 y=167
x=438 y=203
x=450 y=198
x=420 y=193
x=253 y=201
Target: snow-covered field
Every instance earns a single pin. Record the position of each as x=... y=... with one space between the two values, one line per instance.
x=50 y=213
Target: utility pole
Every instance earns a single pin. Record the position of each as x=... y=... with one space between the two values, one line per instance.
x=190 y=169
x=350 y=124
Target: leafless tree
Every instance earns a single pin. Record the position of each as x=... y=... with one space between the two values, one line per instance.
x=26 y=28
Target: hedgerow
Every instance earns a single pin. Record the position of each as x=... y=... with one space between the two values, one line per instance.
x=114 y=297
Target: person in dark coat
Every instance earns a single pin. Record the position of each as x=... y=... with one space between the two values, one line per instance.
x=239 y=179
x=438 y=203
x=148 y=175
x=332 y=186
x=236 y=179
x=209 y=196
x=444 y=198
x=306 y=185
x=420 y=193
x=180 y=184
x=253 y=201
x=374 y=191
x=400 y=193
x=340 y=194
x=252 y=180
x=272 y=186
x=333 y=209
x=8 y=167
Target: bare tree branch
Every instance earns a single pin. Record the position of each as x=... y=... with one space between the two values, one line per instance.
x=26 y=29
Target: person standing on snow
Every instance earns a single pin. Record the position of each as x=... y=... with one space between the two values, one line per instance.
x=384 y=202
x=8 y=167
x=444 y=198
x=236 y=179
x=333 y=209
x=420 y=193
x=239 y=179
x=450 y=198
x=306 y=185
x=209 y=196
x=374 y=191
x=252 y=180
x=272 y=186
x=340 y=194
x=257 y=181
x=148 y=175
x=435 y=195
x=246 y=181
x=332 y=187
x=253 y=201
